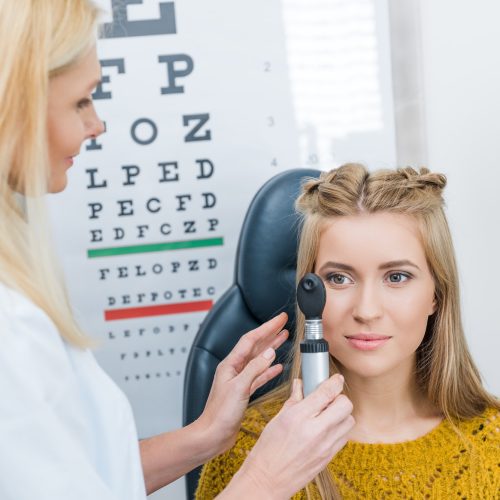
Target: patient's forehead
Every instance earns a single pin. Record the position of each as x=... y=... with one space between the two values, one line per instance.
x=371 y=239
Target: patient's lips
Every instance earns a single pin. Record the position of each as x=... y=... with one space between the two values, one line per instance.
x=367 y=341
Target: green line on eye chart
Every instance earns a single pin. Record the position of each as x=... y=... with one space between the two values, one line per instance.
x=154 y=247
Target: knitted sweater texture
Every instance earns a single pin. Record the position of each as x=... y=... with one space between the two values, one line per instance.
x=442 y=464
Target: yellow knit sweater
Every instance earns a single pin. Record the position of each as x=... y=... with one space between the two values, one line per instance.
x=438 y=465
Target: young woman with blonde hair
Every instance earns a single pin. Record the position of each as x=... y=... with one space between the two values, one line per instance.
x=66 y=430
x=425 y=425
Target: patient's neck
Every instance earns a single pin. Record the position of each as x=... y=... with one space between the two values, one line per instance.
x=389 y=407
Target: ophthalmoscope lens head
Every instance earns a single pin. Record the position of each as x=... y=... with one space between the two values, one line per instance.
x=311 y=296
x=309 y=284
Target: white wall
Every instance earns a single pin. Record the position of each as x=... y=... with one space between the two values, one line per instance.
x=460 y=43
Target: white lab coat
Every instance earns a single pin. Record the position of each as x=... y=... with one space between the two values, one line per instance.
x=66 y=430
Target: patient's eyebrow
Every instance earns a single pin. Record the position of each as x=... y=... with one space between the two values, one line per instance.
x=398 y=263
x=385 y=265
x=336 y=265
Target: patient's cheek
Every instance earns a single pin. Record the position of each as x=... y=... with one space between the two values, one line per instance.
x=328 y=334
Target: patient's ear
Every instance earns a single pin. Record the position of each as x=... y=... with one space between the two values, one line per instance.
x=434 y=306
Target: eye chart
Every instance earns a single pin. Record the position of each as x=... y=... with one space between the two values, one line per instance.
x=203 y=102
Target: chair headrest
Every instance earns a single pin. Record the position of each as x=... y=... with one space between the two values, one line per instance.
x=267 y=249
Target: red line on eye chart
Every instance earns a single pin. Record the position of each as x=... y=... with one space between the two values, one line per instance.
x=157 y=310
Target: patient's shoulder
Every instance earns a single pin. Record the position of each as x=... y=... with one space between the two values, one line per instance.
x=484 y=428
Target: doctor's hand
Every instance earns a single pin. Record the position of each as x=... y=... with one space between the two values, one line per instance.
x=238 y=376
x=296 y=445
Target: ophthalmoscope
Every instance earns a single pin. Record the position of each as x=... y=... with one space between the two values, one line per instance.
x=311 y=298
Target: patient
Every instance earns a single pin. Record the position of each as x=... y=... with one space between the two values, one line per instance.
x=425 y=425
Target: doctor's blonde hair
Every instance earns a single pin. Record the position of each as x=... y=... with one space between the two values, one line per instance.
x=445 y=370
x=39 y=39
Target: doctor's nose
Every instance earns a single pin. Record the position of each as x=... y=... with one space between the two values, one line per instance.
x=99 y=127
x=93 y=124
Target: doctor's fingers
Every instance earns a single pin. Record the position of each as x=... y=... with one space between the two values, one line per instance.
x=256 y=373
x=322 y=397
x=269 y=334
x=338 y=435
x=265 y=377
x=338 y=411
x=337 y=438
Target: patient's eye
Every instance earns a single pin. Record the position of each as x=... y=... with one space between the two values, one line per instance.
x=338 y=279
x=398 y=277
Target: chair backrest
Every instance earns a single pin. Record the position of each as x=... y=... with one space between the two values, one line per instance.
x=264 y=285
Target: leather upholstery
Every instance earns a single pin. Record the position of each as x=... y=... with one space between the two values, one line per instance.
x=264 y=285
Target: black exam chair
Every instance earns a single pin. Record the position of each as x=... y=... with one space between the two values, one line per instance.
x=264 y=285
